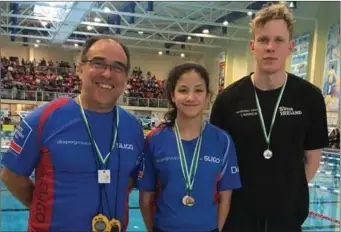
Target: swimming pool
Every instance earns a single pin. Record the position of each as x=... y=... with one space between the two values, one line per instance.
x=324 y=203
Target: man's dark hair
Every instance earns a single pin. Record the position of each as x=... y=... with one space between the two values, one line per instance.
x=94 y=39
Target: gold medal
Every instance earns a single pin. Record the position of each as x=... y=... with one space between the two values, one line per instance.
x=189 y=176
x=115 y=225
x=100 y=223
x=188 y=201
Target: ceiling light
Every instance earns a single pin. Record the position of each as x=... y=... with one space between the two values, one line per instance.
x=43 y=23
x=189 y=38
x=89 y=27
x=52 y=9
x=97 y=20
x=249 y=13
x=205 y=31
x=293 y=5
x=106 y=9
x=182 y=55
x=140 y=32
x=225 y=23
x=38 y=41
x=36 y=45
x=76 y=45
x=160 y=53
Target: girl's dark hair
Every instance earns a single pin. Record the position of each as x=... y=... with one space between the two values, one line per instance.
x=172 y=79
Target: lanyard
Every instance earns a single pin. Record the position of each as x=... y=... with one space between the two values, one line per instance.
x=188 y=176
x=267 y=136
x=99 y=154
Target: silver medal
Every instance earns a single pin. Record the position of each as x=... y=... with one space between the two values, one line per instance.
x=267 y=154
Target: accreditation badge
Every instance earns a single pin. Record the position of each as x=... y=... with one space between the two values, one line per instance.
x=104 y=176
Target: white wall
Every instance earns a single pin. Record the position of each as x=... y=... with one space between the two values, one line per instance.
x=54 y=54
x=29 y=53
x=158 y=65
x=211 y=63
x=11 y=49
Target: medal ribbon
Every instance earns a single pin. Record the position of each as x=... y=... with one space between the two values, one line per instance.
x=267 y=136
x=188 y=176
x=99 y=154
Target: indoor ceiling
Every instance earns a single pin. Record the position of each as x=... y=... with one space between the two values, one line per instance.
x=170 y=27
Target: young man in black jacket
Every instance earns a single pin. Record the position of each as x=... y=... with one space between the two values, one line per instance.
x=278 y=123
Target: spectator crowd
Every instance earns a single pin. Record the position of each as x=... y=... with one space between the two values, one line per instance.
x=140 y=86
x=61 y=77
x=38 y=76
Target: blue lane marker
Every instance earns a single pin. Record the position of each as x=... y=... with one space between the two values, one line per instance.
x=328 y=173
x=329 y=164
x=330 y=189
x=331 y=153
x=314 y=228
x=330 y=158
x=323 y=202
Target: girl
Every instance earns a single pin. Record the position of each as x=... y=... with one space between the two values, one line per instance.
x=190 y=166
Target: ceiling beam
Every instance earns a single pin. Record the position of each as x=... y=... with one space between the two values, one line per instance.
x=70 y=24
x=150 y=40
x=143 y=47
x=131 y=27
x=32 y=17
x=30 y=43
x=171 y=19
x=171 y=50
x=49 y=5
x=203 y=6
x=27 y=36
x=28 y=28
x=227 y=8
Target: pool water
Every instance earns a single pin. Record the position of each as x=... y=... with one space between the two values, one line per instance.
x=324 y=203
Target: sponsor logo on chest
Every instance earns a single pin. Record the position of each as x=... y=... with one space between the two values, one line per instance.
x=282 y=111
x=288 y=111
x=123 y=146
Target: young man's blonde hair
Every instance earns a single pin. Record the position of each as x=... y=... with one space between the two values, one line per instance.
x=273 y=12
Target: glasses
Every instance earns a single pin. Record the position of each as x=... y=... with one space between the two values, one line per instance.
x=101 y=65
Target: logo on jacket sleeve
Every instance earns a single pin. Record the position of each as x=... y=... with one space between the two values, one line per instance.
x=234 y=169
x=21 y=136
x=140 y=166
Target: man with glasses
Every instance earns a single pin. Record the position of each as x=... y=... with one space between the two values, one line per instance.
x=84 y=151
